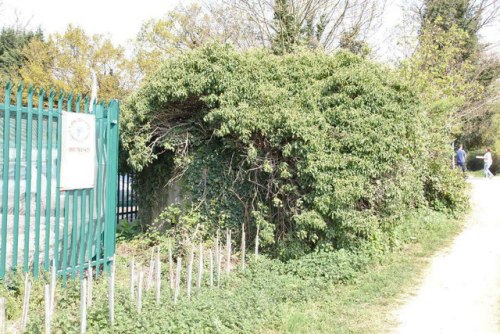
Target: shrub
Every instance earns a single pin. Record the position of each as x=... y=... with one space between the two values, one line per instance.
x=312 y=149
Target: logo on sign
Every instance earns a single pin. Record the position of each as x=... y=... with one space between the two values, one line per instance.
x=79 y=130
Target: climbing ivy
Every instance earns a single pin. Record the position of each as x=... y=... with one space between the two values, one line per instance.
x=315 y=150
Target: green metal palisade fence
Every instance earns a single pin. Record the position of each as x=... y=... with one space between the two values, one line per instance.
x=127 y=205
x=39 y=222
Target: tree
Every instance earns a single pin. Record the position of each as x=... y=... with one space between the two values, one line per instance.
x=444 y=80
x=65 y=61
x=310 y=22
x=12 y=41
x=468 y=15
x=452 y=64
x=282 y=25
x=287 y=28
x=189 y=27
x=349 y=41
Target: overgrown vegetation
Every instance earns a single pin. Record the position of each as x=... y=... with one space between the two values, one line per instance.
x=318 y=152
x=270 y=296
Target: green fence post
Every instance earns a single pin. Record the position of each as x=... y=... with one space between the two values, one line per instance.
x=111 y=182
x=5 y=184
x=27 y=201
x=57 y=219
x=17 y=174
x=99 y=114
x=39 y=194
x=48 y=168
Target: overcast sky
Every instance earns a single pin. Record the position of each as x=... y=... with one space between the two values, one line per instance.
x=122 y=19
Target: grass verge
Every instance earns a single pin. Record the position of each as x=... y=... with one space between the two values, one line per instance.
x=367 y=304
x=336 y=292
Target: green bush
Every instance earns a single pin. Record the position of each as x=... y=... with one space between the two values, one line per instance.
x=316 y=151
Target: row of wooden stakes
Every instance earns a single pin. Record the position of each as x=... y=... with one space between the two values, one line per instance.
x=136 y=281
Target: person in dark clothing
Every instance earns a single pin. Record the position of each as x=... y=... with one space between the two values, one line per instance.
x=461 y=158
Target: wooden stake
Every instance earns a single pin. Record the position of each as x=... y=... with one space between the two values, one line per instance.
x=200 y=266
x=150 y=271
x=139 y=291
x=217 y=246
x=257 y=243
x=171 y=269
x=158 y=276
x=178 y=279
x=53 y=286
x=83 y=306
x=190 y=272
x=47 y=308
x=228 y=249
x=132 y=279
x=3 y=318
x=90 y=280
x=111 y=294
x=211 y=256
x=219 y=263
x=26 y=303
x=243 y=247
x=217 y=257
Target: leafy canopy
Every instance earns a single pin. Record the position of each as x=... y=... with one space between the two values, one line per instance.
x=317 y=151
x=65 y=61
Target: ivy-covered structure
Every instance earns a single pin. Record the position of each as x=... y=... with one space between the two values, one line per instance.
x=314 y=150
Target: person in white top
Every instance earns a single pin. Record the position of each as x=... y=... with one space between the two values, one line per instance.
x=488 y=160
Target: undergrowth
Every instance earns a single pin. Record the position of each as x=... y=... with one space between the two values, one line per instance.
x=270 y=295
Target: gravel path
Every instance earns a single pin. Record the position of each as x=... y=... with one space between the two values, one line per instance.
x=461 y=290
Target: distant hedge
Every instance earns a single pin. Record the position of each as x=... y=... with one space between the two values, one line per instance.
x=317 y=151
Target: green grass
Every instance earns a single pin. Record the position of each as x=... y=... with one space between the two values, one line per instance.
x=476 y=173
x=338 y=292
x=368 y=304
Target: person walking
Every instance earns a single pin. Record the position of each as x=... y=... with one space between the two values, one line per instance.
x=460 y=156
x=488 y=161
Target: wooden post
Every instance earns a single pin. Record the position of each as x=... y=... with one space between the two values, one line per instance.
x=228 y=249
x=200 y=266
x=190 y=272
x=111 y=294
x=47 y=308
x=150 y=271
x=53 y=286
x=90 y=280
x=217 y=246
x=171 y=269
x=26 y=303
x=257 y=243
x=132 y=279
x=158 y=276
x=178 y=279
x=243 y=247
x=211 y=256
x=219 y=263
x=3 y=317
x=139 y=291
x=217 y=257
x=83 y=306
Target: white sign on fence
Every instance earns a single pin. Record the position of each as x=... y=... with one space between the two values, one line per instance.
x=78 y=151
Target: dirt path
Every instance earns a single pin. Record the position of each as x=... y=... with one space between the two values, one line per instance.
x=461 y=291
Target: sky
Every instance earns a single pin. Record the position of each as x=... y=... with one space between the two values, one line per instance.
x=122 y=19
